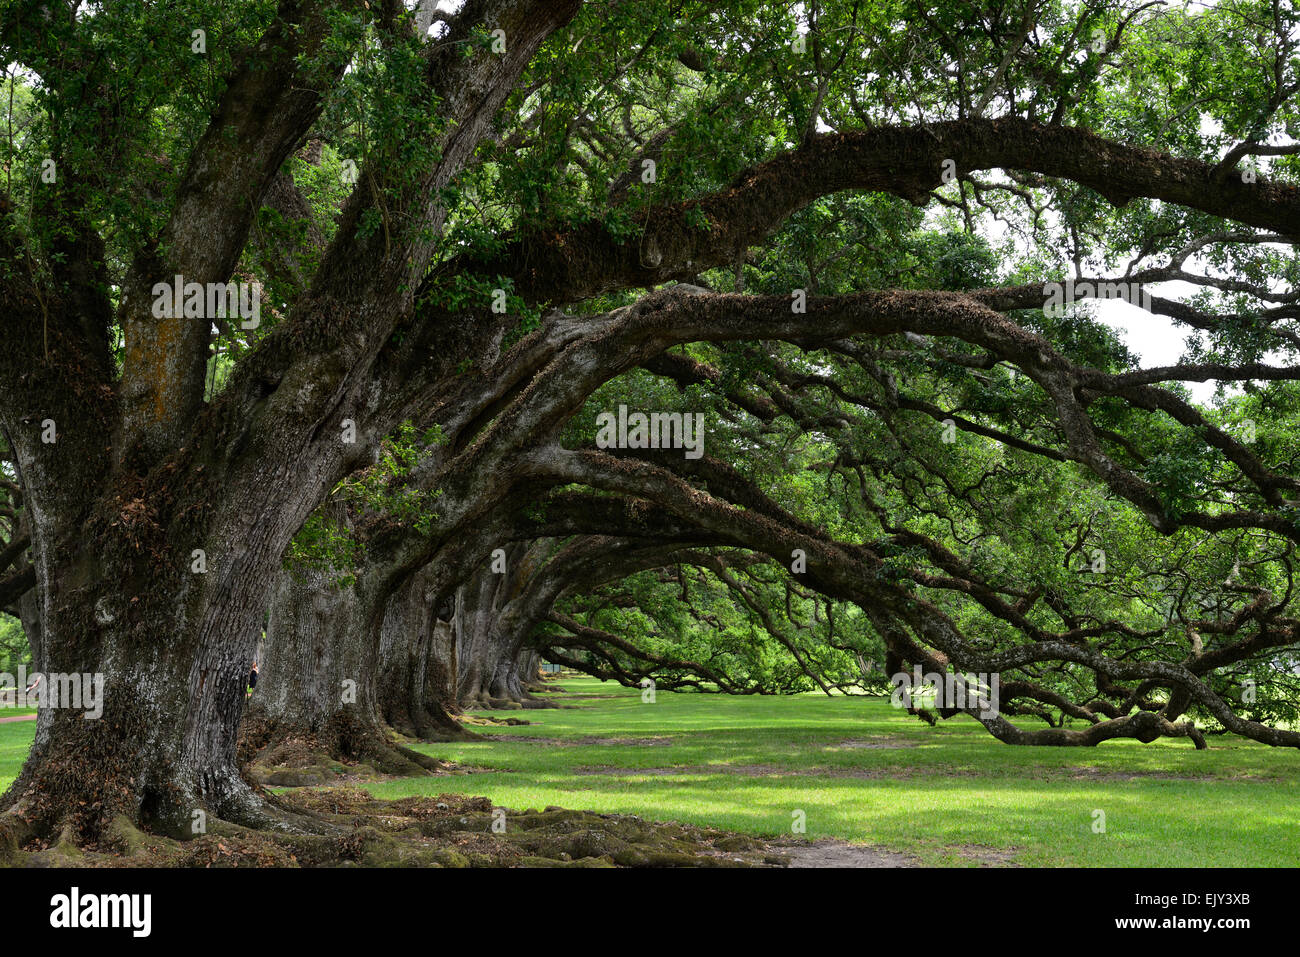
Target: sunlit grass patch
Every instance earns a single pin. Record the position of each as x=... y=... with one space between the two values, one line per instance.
x=861 y=770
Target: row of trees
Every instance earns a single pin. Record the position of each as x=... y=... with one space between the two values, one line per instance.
x=477 y=233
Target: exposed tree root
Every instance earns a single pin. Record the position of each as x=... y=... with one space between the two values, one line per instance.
x=491 y=721
x=426 y=724
x=483 y=700
x=15 y=832
x=279 y=755
x=269 y=813
x=450 y=830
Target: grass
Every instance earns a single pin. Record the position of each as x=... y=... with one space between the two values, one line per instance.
x=15 y=742
x=865 y=772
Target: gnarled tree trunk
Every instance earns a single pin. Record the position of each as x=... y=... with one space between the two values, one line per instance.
x=406 y=640
x=441 y=687
x=317 y=700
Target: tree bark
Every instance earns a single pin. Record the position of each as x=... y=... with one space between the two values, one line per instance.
x=406 y=638
x=441 y=687
x=319 y=696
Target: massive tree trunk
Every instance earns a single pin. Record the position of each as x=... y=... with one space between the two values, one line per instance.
x=150 y=602
x=28 y=606
x=478 y=641
x=318 y=698
x=528 y=665
x=508 y=680
x=441 y=686
x=516 y=672
x=406 y=640
x=489 y=638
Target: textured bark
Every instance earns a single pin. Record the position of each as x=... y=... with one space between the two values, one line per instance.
x=30 y=616
x=441 y=686
x=171 y=704
x=508 y=682
x=405 y=645
x=318 y=691
x=528 y=665
x=28 y=606
x=491 y=625
x=479 y=644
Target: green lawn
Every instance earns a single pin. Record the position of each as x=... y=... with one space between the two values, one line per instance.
x=15 y=741
x=862 y=771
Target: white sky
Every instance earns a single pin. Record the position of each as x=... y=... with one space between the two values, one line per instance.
x=1157 y=340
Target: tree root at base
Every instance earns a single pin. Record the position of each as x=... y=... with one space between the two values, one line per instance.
x=448 y=830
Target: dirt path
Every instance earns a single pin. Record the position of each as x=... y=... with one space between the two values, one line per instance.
x=18 y=717
x=829 y=852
